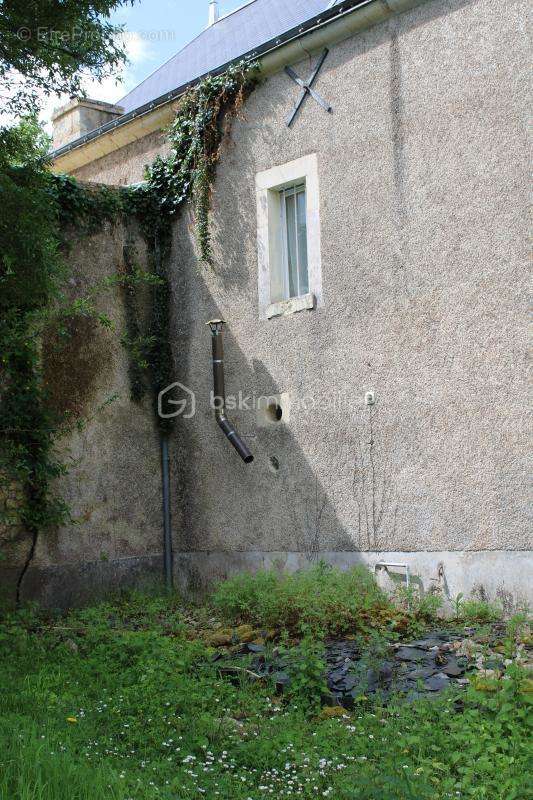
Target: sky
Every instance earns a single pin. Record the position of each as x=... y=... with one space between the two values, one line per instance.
x=154 y=31
x=157 y=29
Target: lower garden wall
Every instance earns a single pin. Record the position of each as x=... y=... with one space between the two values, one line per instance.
x=113 y=486
x=302 y=499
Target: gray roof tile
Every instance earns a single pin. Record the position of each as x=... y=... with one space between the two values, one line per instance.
x=232 y=36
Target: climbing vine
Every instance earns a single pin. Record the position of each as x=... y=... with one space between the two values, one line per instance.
x=31 y=274
x=36 y=207
x=35 y=308
x=202 y=119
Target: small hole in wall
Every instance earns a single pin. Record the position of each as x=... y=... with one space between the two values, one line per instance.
x=273 y=464
x=274 y=412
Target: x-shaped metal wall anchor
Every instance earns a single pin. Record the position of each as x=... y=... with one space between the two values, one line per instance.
x=307 y=88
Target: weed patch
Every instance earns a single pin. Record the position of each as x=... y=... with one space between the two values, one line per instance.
x=322 y=601
x=124 y=701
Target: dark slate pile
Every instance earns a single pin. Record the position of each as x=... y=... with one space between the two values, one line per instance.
x=415 y=669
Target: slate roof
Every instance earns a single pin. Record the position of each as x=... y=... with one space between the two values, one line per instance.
x=232 y=36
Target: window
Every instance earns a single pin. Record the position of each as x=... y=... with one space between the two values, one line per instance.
x=288 y=237
x=293 y=227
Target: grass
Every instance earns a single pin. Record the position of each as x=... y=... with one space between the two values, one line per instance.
x=123 y=702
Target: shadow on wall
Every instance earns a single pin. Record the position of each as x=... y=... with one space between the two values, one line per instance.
x=223 y=504
x=279 y=503
x=288 y=490
x=245 y=516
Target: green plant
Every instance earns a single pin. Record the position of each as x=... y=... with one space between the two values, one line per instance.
x=37 y=207
x=423 y=606
x=479 y=611
x=306 y=667
x=457 y=604
x=84 y=206
x=518 y=629
x=121 y=700
x=518 y=626
x=475 y=611
x=34 y=307
x=137 y=343
x=322 y=600
x=31 y=275
x=195 y=137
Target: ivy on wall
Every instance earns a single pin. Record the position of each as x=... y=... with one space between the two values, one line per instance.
x=37 y=207
x=203 y=118
x=36 y=314
x=195 y=137
x=154 y=217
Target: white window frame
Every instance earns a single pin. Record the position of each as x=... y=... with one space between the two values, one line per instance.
x=273 y=297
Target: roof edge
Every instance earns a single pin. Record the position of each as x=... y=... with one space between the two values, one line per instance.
x=333 y=25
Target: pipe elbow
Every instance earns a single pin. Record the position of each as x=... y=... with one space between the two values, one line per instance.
x=219 y=393
x=233 y=437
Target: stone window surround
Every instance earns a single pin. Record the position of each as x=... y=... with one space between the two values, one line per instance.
x=268 y=184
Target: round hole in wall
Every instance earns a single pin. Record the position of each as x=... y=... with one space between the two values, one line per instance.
x=274 y=412
x=273 y=464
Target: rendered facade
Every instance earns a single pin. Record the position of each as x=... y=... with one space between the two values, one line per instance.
x=370 y=262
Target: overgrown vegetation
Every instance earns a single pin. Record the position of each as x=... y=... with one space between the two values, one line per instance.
x=31 y=277
x=45 y=48
x=202 y=119
x=125 y=700
x=155 y=356
x=424 y=606
x=322 y=601
x=473 y=611
x=37 y=208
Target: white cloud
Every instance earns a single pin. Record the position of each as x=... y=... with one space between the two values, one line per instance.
x=138 y=48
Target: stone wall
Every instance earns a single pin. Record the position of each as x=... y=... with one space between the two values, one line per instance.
x=113 y=486
x=126 y=166
x=423 y=174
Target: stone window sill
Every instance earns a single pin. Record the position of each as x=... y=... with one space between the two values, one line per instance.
x=283 y=308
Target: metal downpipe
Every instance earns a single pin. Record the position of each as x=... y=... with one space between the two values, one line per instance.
x=220 y=392
x=167 y=531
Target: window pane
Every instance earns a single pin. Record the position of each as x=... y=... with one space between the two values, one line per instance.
x=292 y=245
x=302 y=242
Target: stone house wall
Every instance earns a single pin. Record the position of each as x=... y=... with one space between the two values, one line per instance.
x=126 y=166
x=422 y=174
x=423 y=214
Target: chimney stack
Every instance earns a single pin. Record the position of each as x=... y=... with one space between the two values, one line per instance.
x=213 y=12
x=80 y=116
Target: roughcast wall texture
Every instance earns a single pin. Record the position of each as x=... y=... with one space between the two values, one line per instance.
x=423 y=174
x=422 y=170
x=113 y=486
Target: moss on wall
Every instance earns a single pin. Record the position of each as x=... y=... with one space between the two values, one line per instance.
x=73 y=361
